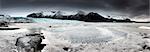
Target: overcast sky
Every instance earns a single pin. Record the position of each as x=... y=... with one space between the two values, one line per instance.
x=132 y=7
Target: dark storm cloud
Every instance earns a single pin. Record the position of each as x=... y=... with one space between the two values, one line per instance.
x=135 y=7
x=0 y=6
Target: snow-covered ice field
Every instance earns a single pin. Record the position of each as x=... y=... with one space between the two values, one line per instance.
x=80 y=36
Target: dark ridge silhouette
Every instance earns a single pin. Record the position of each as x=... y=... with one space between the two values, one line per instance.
x=1 y=15
x=80 y=16
x=95 y=17
x=36 y=15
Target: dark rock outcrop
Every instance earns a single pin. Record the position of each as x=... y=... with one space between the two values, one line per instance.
x=4 y=24
x=29 y=43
